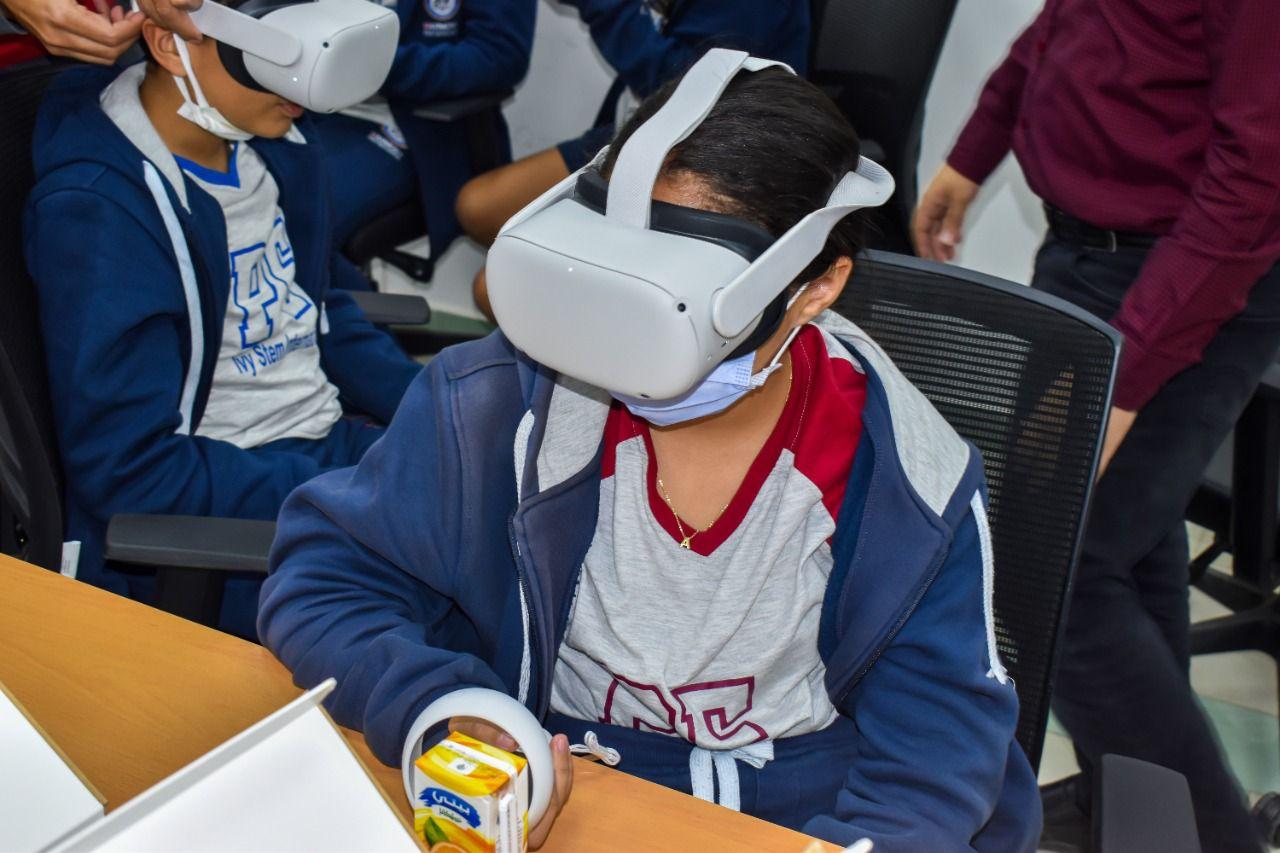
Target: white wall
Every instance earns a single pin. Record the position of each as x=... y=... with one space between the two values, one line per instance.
x=1005 y=224
x=567 y=80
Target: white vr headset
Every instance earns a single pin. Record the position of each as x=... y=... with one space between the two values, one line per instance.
x=642 y=298
x=324 y=55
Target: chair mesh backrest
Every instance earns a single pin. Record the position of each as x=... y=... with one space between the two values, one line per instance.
x=876 y=59
x=1027 y=378
x=30 y=495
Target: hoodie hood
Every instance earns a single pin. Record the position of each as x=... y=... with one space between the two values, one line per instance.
x=73 y=129
x=123 y=107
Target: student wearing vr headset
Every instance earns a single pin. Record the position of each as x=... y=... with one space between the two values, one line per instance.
x=199 y=350
x=377 y=152
x=647 y=42
x=678 y=507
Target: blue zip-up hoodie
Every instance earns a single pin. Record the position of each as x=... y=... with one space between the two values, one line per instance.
x=130 y=260
x=450 y=557
x=451 y=49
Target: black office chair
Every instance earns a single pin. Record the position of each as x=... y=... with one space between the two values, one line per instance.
x=1027 y=378
x=876 y=59
x=481 y=118
x=1239 y=502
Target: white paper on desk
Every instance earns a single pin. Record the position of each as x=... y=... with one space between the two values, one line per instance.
x=288 y=783
x=42 y=800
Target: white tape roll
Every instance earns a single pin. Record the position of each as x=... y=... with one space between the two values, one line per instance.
x=505 y=713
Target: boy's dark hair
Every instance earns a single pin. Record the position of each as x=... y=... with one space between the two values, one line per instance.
x=771 y=151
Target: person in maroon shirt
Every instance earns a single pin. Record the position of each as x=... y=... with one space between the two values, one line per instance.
x=1151 y=129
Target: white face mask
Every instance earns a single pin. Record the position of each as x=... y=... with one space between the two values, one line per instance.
x=724 y=386
x=198 y=111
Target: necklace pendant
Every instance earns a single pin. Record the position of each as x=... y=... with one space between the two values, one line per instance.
x=684 y=543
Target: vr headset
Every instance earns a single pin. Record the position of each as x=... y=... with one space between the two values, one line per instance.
x=321 y=54
x=642 y=298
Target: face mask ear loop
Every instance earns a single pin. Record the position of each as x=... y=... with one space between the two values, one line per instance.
x=191 y=80
x=765 y=372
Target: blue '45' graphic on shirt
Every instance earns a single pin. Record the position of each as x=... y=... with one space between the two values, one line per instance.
x=262 y=286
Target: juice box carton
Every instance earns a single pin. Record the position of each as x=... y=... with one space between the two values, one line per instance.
x=472 y=798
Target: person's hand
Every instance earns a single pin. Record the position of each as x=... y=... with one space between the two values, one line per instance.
x=938 y=223
x=494 y=736
x=1118 y=426
x=66 y=28
x=172 y=15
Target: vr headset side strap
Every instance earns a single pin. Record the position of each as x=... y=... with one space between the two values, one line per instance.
x=251 y=35
x=633 y=176
x=742 y=300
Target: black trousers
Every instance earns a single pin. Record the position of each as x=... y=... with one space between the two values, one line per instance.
x=1123 y=684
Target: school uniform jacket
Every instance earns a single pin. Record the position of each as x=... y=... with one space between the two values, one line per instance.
x=130 y=260
x=449 y=557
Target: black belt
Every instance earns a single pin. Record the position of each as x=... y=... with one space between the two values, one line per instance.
x=1066 y=227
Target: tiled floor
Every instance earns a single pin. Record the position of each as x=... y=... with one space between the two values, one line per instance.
x=1238 y=691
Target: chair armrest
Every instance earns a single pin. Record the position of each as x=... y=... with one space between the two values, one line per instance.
x=190 y=542
x=455 y=109
x=1142 y=808
x=392 y=309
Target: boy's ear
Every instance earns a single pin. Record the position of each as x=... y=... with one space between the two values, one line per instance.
x=824 y=290
x=163 y=50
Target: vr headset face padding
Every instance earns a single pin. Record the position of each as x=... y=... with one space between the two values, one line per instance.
x=738 y=235
x=232 y=58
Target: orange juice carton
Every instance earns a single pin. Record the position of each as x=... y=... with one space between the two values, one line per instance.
x=472 y=798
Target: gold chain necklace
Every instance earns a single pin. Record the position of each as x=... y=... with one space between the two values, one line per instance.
x=686 y=538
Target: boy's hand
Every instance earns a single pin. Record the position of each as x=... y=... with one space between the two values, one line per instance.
x=938 y=223
x=494 y=736
x=66 y=28
x=172 y=15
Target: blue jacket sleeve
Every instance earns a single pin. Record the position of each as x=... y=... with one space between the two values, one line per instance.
x=366 y=364
x=361 y=571
x=935 y=725
x=115 y=327
x=491 y=54
x=645 y=58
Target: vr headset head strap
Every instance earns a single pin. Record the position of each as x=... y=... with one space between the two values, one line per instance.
x=230 y=26
x=641 y=159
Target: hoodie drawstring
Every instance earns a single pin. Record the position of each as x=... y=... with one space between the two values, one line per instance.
x=592 y=748
x=725 y=764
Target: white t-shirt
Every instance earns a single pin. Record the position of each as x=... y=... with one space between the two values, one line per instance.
x=268 y=383
x=717 y=643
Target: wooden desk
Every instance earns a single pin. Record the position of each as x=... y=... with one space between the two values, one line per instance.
x=132 y=694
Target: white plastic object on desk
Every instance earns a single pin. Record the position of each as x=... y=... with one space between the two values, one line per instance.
x=288 y=784
x=505 y=713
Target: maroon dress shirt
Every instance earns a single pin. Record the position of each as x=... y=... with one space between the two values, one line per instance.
x=1158 y=116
